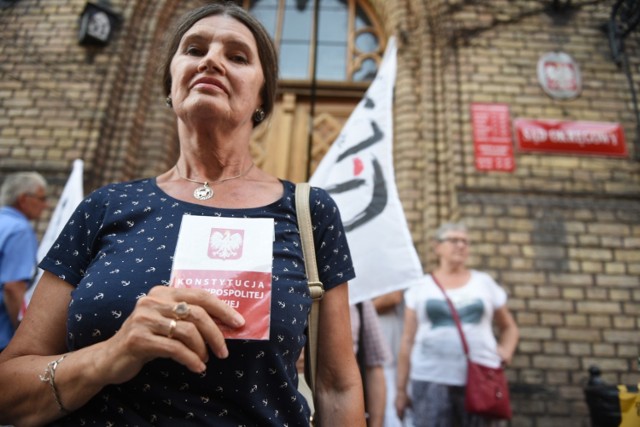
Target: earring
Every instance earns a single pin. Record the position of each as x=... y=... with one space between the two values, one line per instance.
x=168 y=101
x=258 y=115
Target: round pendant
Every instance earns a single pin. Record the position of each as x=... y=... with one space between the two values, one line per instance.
x=203 y=193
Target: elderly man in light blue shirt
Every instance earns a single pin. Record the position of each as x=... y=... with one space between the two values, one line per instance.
x=23 y=198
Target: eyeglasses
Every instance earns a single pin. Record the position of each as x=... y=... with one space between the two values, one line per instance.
x=456 y=241
x=41 y=197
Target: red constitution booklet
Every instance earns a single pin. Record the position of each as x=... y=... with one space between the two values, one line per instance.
x=231 y=258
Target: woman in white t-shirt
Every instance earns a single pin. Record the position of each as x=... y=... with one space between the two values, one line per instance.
x=431 y=353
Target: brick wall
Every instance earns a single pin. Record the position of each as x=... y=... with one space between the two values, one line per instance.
x=560 y=233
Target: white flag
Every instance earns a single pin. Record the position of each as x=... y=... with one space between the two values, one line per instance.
x=358 y=173
x=71 y=196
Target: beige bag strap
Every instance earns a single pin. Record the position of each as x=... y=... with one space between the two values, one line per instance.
x=316 y=289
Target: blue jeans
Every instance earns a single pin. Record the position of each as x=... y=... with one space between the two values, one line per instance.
x=441 y=405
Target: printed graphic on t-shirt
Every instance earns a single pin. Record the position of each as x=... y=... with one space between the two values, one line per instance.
x=439 y=314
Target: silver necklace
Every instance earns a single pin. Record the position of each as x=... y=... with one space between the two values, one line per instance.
x=205 y=192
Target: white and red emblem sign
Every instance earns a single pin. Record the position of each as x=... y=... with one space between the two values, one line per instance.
x=559 y=75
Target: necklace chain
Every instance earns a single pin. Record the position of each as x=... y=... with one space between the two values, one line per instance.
x=205 y=192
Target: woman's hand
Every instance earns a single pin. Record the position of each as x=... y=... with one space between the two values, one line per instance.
x=158 y=327
x=404 y=360
x=339 y=396
x=402 y=403
x=508 y=335
x=505 y=355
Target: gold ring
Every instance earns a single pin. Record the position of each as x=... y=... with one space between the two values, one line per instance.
x=181 y=310
x=172 y=328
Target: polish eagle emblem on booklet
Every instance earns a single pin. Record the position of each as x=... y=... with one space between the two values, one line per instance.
x=232 y=259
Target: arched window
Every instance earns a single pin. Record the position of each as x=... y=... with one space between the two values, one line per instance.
x=346 y=47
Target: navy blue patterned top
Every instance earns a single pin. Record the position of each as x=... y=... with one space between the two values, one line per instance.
x=119 y=243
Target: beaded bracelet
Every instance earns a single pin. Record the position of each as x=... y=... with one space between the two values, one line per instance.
x=49 y=376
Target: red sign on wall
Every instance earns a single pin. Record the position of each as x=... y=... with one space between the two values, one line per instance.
x=492 y=137
x=596 y=138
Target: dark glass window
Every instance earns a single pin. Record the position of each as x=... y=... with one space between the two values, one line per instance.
x=338 y=55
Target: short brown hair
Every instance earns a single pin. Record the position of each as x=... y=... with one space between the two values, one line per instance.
x=266 y=49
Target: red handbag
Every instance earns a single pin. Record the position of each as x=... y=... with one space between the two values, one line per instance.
x=486 y=392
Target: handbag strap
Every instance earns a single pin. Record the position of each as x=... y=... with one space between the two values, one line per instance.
x=454 y=313
x=316 y=288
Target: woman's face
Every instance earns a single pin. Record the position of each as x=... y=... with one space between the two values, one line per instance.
x=454 y=247
x=216 y=72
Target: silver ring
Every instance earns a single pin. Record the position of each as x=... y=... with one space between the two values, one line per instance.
x=172 y=328
x=181 y=310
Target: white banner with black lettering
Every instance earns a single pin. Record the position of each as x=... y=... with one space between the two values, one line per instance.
x=358 y=173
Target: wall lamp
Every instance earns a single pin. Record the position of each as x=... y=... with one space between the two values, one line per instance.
x=97 y=24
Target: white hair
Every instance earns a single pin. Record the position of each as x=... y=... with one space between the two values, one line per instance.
x=19 y=183
x=442 y=231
